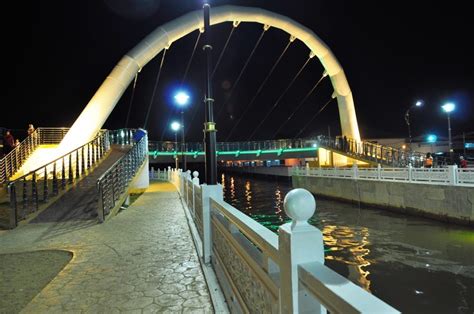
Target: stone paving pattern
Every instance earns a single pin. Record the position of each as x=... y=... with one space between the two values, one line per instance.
x=141 y=261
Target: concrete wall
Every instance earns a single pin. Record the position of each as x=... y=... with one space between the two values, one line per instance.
x=445 y=203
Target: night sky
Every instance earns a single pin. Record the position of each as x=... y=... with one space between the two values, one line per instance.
x=57 y=53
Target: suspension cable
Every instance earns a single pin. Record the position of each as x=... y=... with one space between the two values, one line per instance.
x=154 y=88
x=249 y=105
x=281 y=96
x=183 y=79
x=131 y=100
x=234 y=26
x=265 y=28
x=191 y=58
x=317 y=113
x=300 y=103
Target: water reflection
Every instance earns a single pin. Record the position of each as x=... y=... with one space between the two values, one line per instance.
x=400 y=259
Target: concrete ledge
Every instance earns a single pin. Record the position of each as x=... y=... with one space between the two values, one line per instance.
x=441 y=202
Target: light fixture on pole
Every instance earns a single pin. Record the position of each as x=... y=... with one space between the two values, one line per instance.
x=175 y=126
x=418 y=103
x=182 y=100
x=431 y=138
x=448 y=108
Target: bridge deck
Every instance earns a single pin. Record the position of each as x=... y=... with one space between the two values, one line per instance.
x=142 y=260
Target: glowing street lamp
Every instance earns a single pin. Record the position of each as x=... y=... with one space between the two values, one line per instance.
x=448 y=108
x=181 y=99
x=418 y=103
x=175 y=126
x=431 y=138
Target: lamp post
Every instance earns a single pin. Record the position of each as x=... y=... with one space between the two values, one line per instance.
x=209 y=125
x=418 y=103
x=182 y=99
x=448 y=108
x=175 y=126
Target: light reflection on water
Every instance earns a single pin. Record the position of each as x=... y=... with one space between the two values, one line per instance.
x=400 y=259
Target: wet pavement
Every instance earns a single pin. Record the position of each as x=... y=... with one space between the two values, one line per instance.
x=141 y=261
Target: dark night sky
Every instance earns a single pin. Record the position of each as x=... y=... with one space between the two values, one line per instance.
x=57 y=53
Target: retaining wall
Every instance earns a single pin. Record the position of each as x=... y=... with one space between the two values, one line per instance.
x=441 y=202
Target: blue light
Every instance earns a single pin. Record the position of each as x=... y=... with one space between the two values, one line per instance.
x=449 y=107
x=181 y=98
x=175 y=126
x=431 y=138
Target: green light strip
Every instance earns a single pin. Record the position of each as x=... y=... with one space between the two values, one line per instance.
x=243 y=152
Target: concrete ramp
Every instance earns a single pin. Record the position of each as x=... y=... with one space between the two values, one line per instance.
x=80 y=202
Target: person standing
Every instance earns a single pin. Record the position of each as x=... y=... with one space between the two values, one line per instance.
x=462 y=162
x=8 y=142
x=429 y=161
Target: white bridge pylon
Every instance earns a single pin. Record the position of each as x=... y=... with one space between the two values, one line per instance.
x=103 y=102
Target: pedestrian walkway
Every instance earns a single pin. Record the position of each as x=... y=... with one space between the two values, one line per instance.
x=141 y=261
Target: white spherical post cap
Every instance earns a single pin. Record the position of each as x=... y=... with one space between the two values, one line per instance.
x=299 y=205
x=188 y=172
x=195 y=174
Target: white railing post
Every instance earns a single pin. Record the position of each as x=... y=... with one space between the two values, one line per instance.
x=355 y=172
x=379 y=172
x=298 y=243
x=169 y=173
x=152 y=173
x=410 y=173
x=453 y=174
x=307 y=168
x=208 y=191
x=195 y=183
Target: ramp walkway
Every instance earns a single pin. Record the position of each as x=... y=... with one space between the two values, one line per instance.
x=80 y=202
x=141 y=261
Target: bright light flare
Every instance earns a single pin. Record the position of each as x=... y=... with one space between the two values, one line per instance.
x=181 y=98
x=448 y=107
x=175 y=126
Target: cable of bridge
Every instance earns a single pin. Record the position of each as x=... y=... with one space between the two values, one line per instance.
x=301 y=103
x=188 y=65
x=154 y=88
x=235 y=24
x=260 y=88
x=131 y=99
x=311 y=55
x=265 y=28
x=314 y=116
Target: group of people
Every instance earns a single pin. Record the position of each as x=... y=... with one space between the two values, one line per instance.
x=429 y=161
x=9 y=141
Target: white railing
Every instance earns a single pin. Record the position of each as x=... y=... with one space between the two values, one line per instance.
x=451 y=175
x=260 y=271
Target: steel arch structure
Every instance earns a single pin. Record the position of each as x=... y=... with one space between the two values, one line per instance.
x=104 y=100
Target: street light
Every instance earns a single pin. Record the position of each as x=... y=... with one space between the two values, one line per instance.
x=418 y=103
x=431 y=138
x=448 y=108
x=175 y=126
x=182 y=99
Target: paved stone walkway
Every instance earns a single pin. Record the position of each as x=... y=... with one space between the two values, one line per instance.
x=141 y=261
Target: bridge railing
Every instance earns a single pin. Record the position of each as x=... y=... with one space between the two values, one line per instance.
x=450 y=175
x=41 y=185
x=113 y=184
x=260 y=271
x=368 y=151
x=13 y=161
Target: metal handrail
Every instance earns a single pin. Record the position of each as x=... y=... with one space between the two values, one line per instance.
x=113 y=183
x=79 y=161
x=375 y=153
x=13 y=161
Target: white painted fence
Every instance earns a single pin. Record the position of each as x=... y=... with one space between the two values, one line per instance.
x=451 y=175
x=260 y=271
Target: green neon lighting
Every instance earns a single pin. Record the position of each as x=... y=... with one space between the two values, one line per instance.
x=239 y=152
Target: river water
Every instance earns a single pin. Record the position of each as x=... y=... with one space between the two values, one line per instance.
x=416 y=265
